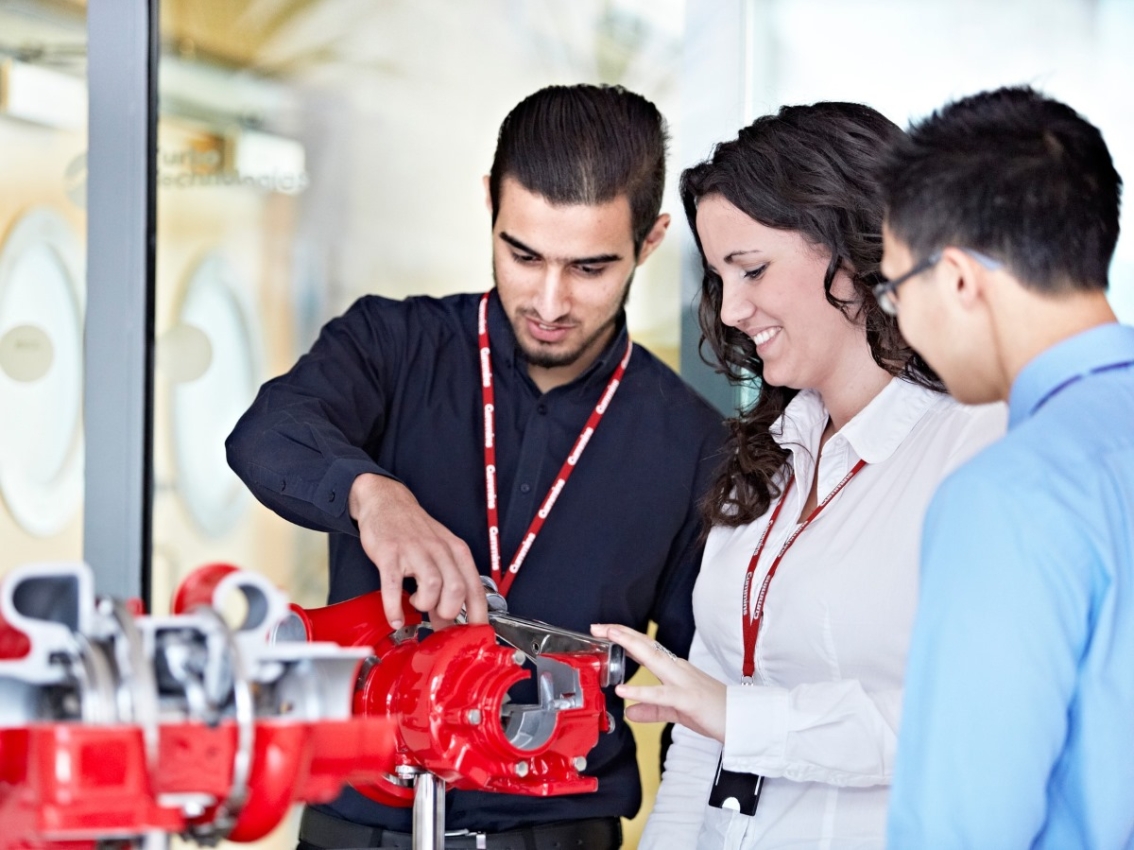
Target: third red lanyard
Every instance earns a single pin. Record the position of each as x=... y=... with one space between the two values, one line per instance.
x=752 y=614
x=504 y=580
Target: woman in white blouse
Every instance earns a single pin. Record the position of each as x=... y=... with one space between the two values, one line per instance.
x=801 y=686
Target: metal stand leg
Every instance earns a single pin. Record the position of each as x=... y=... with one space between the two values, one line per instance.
x=428 y=812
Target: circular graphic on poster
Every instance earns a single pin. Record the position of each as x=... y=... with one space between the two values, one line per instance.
x=41 y=372
x=206 y=407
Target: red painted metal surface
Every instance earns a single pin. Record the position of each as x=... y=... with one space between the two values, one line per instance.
x=445 y=694
x=431 y=701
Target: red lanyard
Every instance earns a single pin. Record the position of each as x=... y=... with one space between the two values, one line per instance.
x=504 y=582
x=751 y=624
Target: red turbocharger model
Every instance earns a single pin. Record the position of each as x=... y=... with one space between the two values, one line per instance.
x=117 y=726
x=446 y=693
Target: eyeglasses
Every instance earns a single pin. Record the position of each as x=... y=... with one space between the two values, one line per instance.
x=886 y=293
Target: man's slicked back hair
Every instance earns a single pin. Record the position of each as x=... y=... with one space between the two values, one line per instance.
x=1012 y=174
x=585 y=144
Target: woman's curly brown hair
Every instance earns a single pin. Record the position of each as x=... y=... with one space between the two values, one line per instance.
x=812 y=170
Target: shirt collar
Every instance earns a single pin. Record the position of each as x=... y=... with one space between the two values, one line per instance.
x=874 y=434
x=1090 y=351
x=502 y=338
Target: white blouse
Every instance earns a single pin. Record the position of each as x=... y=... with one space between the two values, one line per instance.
x=821 y=721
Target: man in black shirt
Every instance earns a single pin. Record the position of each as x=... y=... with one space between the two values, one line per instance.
x=517 y=434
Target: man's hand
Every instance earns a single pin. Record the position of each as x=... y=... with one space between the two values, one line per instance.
x=686 y=695
x=403 y=540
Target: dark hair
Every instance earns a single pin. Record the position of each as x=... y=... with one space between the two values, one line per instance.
x=585 y=144
x=812 y=170
x=1015 y=175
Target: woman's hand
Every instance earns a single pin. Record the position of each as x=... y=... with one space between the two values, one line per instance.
x=686 y=695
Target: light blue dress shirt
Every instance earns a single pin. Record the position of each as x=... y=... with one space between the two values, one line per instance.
x=1018 y=721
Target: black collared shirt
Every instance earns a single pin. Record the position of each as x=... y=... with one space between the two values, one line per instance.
x=393 y=387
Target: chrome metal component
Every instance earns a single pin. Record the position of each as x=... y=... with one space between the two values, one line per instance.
x=245 y=715
x=95 y=683
x=522 y=769
x=535 y=639
x=410 y=632
x=93 y=662
x=368 y=664
x=497 y=604
x=289 y=629
x=428 y=812
x=473 y=716
x=580 y=763
x=137 y=688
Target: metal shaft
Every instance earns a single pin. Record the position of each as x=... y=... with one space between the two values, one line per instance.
x=428 y=812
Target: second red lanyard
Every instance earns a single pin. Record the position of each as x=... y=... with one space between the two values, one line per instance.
x=504 y=579
x=752 y=614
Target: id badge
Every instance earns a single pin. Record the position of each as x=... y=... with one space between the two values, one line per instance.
x=739 y=792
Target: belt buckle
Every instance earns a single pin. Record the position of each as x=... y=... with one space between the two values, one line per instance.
x=481 y=837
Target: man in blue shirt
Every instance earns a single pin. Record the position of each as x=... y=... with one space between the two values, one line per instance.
x=515 y=433
x=1018 y=723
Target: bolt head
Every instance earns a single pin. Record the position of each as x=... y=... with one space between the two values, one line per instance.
x=580 y=763
x=473 y=716
x=519 y=657
x=521 y=769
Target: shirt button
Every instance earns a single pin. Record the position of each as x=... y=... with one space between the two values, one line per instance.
x=541 y=408
x=525 y=488
x=331 y=497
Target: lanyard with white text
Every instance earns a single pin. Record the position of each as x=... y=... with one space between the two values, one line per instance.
x=751 y=623
x=504 y=581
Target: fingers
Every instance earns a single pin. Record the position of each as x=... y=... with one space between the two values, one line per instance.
x=447 y=580
x=476 y=598
x=404 y=541
x=392 y=601
x=654 y=704
x=642 y=648
x=434 y=574
x=643 y=712
x=463 y=587
x=660 y=697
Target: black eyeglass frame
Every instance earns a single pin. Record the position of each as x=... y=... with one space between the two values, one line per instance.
x=884 y=291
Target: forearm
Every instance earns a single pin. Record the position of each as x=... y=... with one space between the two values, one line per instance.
x=303 y=441
x=832 y=732
x=299 y=482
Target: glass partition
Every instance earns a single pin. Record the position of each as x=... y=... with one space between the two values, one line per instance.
x=311 y=152
x=906 y=59
x=43 y=132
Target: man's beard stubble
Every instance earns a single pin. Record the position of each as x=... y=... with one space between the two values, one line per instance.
x=545 y=359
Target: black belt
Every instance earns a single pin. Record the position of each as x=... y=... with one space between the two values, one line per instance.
x=326 y=832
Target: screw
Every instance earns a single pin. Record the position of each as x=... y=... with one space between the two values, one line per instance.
x=521 y=769
x=473 y=716
x=580 y=764
x=518 y=657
